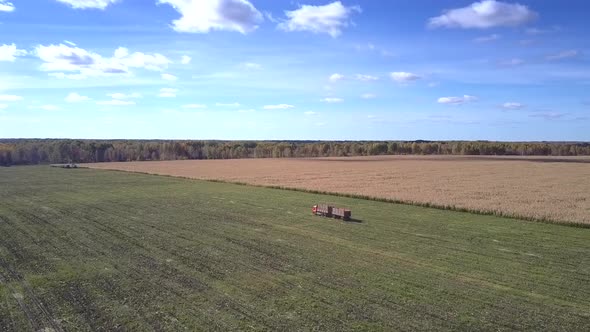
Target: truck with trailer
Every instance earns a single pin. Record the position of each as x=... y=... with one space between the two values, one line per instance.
x=326 y=210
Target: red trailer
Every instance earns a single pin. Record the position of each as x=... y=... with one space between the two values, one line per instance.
x=329 y=211
x=323 y=210
x=341 y=213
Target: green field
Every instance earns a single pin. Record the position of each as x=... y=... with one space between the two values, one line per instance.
x=98 y=250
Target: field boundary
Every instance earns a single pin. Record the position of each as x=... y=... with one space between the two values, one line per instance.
x=373 y=198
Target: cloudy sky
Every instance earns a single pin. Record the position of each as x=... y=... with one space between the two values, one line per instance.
x=268 y=69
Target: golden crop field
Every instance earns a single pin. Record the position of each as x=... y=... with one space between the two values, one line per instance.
x=546 y=188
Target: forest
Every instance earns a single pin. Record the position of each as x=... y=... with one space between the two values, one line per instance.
x=45 y=151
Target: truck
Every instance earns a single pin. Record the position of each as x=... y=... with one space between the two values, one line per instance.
x=326 y=210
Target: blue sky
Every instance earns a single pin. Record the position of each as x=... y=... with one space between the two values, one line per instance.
x=267 y=69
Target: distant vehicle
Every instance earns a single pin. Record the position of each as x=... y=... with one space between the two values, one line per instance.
x=70 y=165
x=329 y=211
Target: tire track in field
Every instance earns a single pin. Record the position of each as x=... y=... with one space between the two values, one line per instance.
x=522 y=276
x=252 y=248
x=138 y=269
x=225 y=303
x=38 y=315
x=432 y=267
x=240 y=308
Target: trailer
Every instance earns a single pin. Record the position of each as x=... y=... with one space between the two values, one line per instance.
x=325 y=210
x=70 y=165
x=341 y=213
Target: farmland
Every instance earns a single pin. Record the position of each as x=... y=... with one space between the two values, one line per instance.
x=540 y=188
x=97 y=250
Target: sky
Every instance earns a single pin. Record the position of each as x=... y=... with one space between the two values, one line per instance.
x=290 y=70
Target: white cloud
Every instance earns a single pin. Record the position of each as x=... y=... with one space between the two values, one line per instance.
x=269 y=16
x=81 y=64
x=167 y=93
x=336 y=77
x=10 y=52
x=387 y=53
x=310 y=113
x=120 y=99
x=121 y=52
x=185 y=60
x=332 y=100
x=65 y=58
x=368 y=96
x=251 y=66
x=202 y=16
x=540 y=31
x=49 y=107
x=456 y=100
x=563 y=55
x=6 y=6
x=116 y=102
x=484 y=14
x=513 y=106
x=88 y=4
x=154 y=62
x=122 y=96
x=370 y=47
x=278 y=107
x=366 y=78
x=76 y=98
x=534 y=31
x=228 y=104
x=330 y=18
x=527 y=42
x=548 y=115
x=3 y=106
x=365 y=47
x=194 y=106
x=404 y=77
x=512 y=62
x=62 y=76
x=169 y=77
x=10 y=98
x=485 y=39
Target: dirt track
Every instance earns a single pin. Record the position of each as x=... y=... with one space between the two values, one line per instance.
x=539 y=187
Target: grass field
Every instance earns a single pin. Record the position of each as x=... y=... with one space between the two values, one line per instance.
x=541 y=188
x=97 y=250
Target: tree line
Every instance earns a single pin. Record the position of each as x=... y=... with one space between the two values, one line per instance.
x=44 y=151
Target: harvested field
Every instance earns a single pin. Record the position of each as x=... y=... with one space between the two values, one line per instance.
x=543 y=188
x=87 y=250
